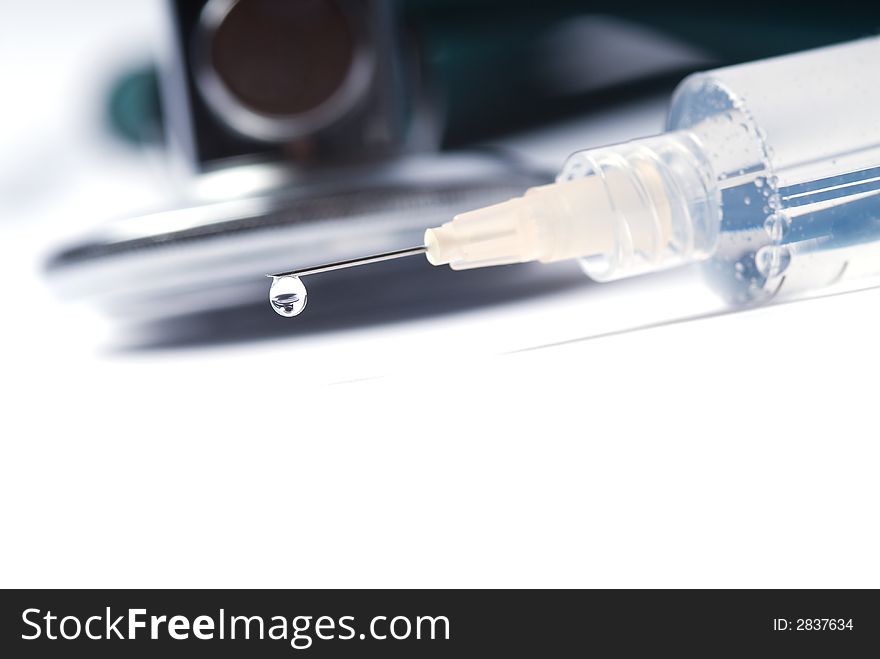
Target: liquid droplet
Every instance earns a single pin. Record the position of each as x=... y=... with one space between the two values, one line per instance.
x=288 y=296
x=776 y=226
x=772 y=261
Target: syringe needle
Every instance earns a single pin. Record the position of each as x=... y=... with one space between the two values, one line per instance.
x=339 y=265
x=288 y=294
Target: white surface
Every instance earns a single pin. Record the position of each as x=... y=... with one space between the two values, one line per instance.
x=733 y=450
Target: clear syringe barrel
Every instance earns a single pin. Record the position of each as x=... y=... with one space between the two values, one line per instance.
x=769 y=174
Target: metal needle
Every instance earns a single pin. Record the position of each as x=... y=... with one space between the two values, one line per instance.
x=339 y=265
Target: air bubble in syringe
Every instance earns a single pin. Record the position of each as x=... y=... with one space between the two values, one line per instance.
x=288 y=296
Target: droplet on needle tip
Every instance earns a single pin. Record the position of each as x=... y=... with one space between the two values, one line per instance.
x=288 y=296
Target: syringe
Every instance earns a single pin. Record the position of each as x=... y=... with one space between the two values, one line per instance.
x=768 y=173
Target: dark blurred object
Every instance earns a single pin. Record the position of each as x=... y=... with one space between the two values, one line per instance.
x=491 y=59
x=309 y=81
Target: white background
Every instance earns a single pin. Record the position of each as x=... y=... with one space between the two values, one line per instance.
x=730 y=450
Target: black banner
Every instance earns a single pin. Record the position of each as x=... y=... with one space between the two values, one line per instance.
x=420 y=623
